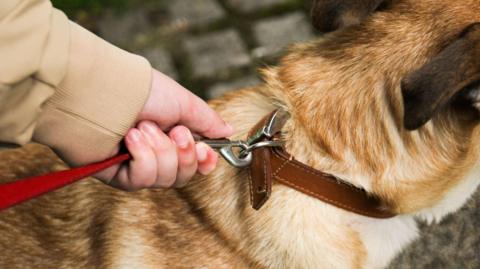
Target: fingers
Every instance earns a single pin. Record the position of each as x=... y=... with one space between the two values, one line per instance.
x=200 y=118
x=162 y=161
x=142 y=169
x=165 y=153
x=207 y=159
x=169 y=104
x=186 y=153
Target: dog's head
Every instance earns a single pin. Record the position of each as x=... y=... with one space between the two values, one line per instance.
x=388 y=68
x=451 y=75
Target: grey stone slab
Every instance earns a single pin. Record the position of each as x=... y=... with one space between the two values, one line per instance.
x=221 y=88
x=216 y=53
x=195 y=12
x=274 y=34
x=453 y=243
x=161 y=60
x=125 y=28
x=254 y=5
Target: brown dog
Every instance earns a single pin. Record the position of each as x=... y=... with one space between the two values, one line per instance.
x=347 y=116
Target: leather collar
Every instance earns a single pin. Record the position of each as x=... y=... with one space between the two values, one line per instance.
x=274 y=163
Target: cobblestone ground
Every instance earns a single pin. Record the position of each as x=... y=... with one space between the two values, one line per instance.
x=209 y=46
x=215 y=46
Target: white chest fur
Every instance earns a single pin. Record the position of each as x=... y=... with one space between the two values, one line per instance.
x=316 y=241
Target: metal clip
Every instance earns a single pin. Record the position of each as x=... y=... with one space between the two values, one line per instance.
x=272 y=127
x=239 y=153
x=240 y=158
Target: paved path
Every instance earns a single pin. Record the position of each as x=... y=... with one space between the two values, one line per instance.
x=210 y=46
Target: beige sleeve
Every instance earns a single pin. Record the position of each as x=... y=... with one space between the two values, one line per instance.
x=62 y=86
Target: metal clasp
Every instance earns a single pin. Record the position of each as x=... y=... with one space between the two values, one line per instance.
x=239 y=153
x=272 y=127
x=236 y=153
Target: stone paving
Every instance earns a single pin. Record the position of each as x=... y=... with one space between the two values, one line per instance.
x=215 y=46
x=253 y=6
x=160 y=59
x=276 y=33
x=221 y=88
x=215 y=53
x=210 y=46
x=198 y=12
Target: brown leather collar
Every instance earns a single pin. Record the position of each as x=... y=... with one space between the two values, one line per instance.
x=275 y=163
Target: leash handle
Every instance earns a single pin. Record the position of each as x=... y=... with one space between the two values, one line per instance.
x=16 y=192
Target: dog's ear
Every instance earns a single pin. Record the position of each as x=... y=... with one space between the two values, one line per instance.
x=330 y=15
x=437 y=83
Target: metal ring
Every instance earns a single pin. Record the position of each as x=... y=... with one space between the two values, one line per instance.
x=263 y=144
x=240 y=161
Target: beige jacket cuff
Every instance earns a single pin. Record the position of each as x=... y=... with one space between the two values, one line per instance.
x=99 y=99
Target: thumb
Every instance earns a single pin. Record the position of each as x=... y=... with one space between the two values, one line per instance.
x=196 y=115
x=170 y=104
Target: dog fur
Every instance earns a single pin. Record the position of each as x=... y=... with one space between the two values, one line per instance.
x=347 y=116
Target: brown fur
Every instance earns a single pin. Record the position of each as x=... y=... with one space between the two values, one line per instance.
x=329 y=15
x=432 y=86
x=343 y=93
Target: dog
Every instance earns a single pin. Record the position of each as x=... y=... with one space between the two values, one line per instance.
x=387 y=103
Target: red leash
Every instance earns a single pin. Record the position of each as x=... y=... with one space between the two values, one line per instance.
x=16 y=192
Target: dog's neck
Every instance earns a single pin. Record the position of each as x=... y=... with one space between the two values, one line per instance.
x=346 y=120
x=349 y=128
x=223 y=197
x=288 y=216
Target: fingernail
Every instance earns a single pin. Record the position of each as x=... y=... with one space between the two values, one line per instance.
x=208 y=170
x=148 y=127
x=182 y=140
x=229 y=128
x=134 y=135
x=202 y=152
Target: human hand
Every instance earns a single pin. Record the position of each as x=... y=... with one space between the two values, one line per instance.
x=162 y=146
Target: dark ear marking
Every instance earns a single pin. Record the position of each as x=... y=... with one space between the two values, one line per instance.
x=330 y=15
x=435 y=84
